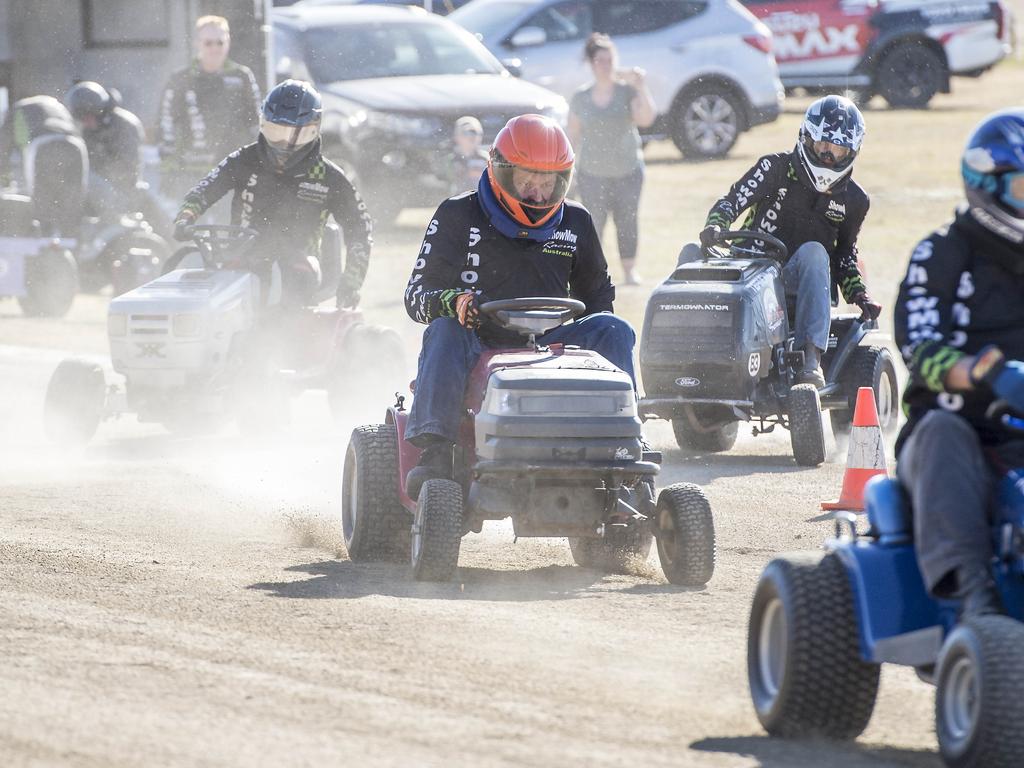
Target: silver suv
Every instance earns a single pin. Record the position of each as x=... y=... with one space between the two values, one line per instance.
x=709 y=62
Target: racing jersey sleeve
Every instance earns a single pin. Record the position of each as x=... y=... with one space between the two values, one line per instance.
x=589 y=281
x=926 y=309
x=212 y=187
x=756 y=184
x=349 y=211
x=125 y=166
x=845 y=271
x=430 y=293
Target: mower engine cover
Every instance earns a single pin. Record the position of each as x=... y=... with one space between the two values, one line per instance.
x=575 y=406
x=177 y=330
x=710 y=327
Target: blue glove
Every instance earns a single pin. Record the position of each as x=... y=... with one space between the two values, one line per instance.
x=1004 y=377
x=1008 y=384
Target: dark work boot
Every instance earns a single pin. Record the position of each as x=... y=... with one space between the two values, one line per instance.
x=435 y=464
x=811 y=372
x=977 y=593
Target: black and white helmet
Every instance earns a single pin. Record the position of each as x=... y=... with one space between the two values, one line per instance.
x=830 y=138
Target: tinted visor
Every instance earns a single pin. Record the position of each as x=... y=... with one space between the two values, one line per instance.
x=829 y=155
x=1013 y=190
x=537 y=191
x=289 y=136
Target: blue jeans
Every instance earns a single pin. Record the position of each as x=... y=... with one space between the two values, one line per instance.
x=806 y=276
x=450 y=351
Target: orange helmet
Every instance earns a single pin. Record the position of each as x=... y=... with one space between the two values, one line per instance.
x=530 y=168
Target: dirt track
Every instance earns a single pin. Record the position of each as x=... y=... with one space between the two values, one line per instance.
x=188 y=602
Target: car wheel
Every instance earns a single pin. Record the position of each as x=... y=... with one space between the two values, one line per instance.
x=686 y=535
x=869 y=367
x=978 y=707
x=909 y=75
x=706 y=122
x=374 y=524
x=804 y=668
x=805 y=432
x=437 y=531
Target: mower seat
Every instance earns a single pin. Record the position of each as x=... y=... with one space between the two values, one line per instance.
x=889 y=513
x=57 y=170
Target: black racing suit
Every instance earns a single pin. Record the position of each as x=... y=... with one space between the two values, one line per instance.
x=782 y=202
x=463 y=251
x=290 y=210
x=963 y=290
x=203 y=117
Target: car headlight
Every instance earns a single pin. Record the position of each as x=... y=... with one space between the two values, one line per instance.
x=188 y=325
x=117 y=324
x=503 y=402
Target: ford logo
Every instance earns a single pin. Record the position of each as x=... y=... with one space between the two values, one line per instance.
x=687 y=381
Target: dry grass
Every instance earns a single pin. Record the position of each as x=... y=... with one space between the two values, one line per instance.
x=909 y=166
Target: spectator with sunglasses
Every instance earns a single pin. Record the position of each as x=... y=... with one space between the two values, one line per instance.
x=207 y=110
x=808 y=199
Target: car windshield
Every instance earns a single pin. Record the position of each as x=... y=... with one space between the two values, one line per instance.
x=362 y=51
x=489 y=19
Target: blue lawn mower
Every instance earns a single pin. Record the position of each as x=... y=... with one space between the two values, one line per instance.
x=821 y=627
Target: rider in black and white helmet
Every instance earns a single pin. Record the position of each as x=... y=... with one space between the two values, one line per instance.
x=807 y=198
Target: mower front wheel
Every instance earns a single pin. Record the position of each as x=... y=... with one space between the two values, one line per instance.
x=374 y=524
x=978 y=706
x=804 y=668
x=805 y=431
x=686 y=535
x=692 y=435
x=437 y=531
x=75 y=399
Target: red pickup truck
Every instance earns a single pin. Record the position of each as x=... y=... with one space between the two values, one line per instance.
x=904 y=50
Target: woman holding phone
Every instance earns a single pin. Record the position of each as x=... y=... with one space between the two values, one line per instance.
x=603 y=120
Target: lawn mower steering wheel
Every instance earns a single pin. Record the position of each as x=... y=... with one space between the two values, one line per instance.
x=215 y=240
x=773 y=247
x=568 y=308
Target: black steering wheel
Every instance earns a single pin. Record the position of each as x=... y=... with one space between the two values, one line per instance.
x=563 y=309
x=773 y=248
x=216 y=240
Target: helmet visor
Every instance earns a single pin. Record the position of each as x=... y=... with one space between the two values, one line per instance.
x=1013 y=190
x=829 y=155
x=288 y=136
x=533 y=189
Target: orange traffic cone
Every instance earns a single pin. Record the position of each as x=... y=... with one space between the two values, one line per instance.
x=866 y=457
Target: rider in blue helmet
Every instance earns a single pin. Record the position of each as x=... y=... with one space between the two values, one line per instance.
x=960 y=325
x=285 y=189
x=807 y=198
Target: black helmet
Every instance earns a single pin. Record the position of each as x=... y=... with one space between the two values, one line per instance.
x=290 y=122
x=88 y=98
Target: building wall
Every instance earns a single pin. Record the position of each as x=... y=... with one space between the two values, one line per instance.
x=132 y=45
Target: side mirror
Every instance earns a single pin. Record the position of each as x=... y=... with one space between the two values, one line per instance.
x=514 y=66
x=528 y=37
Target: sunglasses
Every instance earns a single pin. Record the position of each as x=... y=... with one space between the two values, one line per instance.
x=211 y=43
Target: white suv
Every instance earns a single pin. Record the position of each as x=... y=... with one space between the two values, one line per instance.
x=709 y=62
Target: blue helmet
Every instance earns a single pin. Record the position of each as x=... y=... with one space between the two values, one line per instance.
x=290 y=122
x=993 y=169
x=830 y=138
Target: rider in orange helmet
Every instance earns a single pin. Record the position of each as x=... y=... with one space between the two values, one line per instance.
x=530 y=169
x=514 y=236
